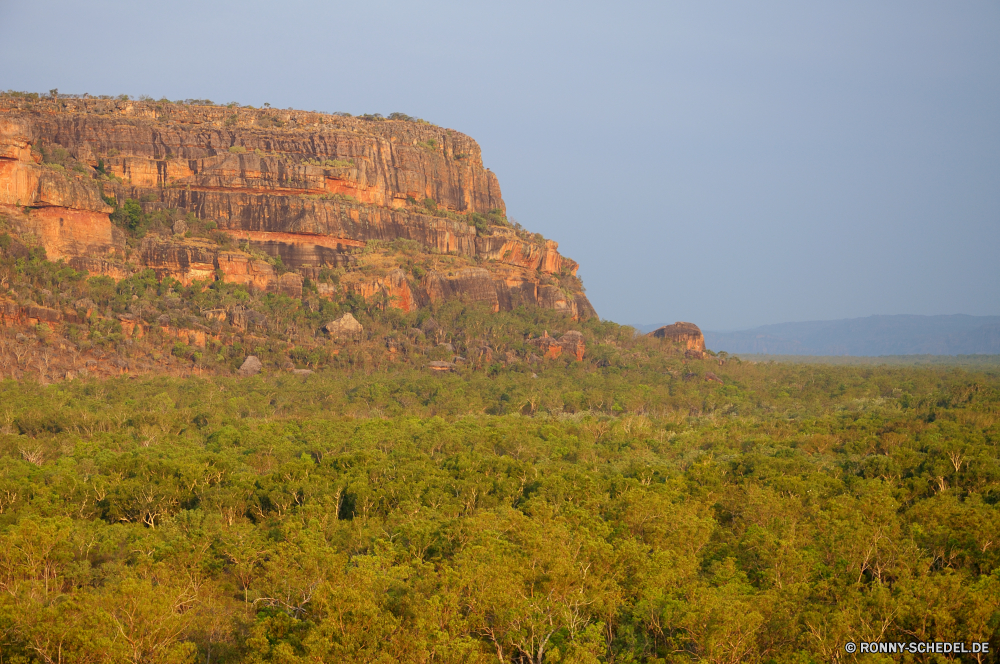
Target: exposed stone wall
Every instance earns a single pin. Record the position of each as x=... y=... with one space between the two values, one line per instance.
x=309 y=188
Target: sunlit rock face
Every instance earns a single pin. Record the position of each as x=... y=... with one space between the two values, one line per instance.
x=311 y=189
x=687 y=335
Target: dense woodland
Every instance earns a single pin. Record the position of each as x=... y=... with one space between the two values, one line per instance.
x=619 y=509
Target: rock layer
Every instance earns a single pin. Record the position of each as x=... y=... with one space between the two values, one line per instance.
x=309 y=188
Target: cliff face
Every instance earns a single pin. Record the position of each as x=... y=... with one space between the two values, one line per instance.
x=311 y=189
x=67 y=213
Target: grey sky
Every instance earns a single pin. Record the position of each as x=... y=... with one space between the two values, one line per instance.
x=731 y=164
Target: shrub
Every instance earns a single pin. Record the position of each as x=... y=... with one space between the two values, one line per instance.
x=329 y=163
x=237 y=149
x=405 y=246
x=130 y=217
x=480 y=223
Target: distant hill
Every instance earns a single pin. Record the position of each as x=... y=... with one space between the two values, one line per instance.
x=875 y=335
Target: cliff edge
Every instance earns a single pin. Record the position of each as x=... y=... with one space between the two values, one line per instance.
x=279 y=200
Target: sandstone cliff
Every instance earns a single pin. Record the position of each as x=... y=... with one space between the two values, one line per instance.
x=399 y=210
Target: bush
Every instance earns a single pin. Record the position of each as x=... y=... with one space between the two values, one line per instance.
x=130 y=216
x=329 y=163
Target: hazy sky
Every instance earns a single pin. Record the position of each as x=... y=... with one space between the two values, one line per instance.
x=731 y=164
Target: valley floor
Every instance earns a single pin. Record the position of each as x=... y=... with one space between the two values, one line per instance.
x=616 y=510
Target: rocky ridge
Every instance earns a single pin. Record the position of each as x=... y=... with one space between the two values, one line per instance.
x=397 y=210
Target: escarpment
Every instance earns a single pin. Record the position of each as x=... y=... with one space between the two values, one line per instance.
x=278 y=200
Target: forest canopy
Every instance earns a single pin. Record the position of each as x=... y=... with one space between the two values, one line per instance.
x=571 y=513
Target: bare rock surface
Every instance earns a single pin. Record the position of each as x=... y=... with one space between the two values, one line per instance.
x=251 y=366
x=571 y=343
x=345 y=326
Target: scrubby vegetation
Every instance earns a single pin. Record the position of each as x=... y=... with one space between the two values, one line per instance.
x=142 y=324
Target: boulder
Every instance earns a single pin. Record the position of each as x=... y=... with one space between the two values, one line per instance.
x=345 y=326
x=438 y=365
x=251 y=366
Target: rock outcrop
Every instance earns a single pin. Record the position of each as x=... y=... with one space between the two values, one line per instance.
x=345 y=326
x=686 y=335
x=570 y=343
x=289 y=194
x=251 y=366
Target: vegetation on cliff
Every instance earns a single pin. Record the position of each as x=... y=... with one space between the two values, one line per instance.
x=70 y=324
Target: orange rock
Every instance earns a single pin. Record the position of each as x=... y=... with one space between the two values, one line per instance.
x=306 y=187
x=687 y=335
x=68 y=233
x=571 y=342
x=393 y=290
